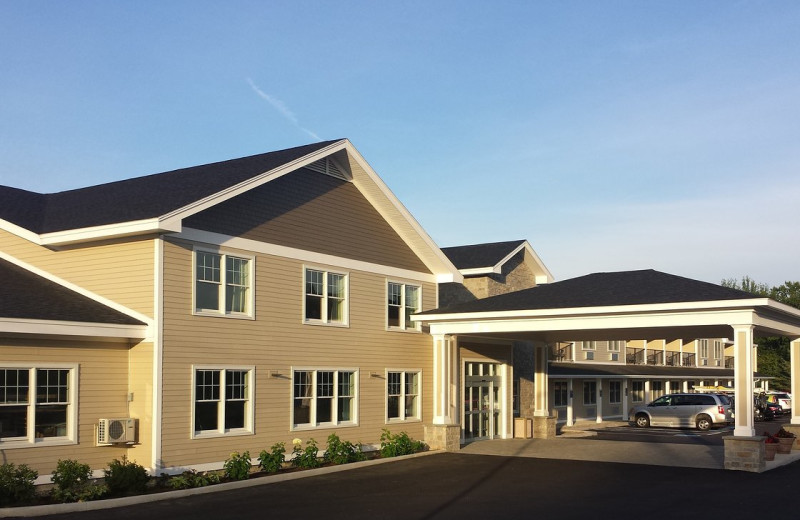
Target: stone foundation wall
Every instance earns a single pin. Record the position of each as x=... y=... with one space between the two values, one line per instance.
x=445 y=437
x=745 y=454
x=544 y=427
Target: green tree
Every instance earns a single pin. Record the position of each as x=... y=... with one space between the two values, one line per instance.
x=773 y=352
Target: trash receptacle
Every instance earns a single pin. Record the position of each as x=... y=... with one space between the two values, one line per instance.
x=523 y=428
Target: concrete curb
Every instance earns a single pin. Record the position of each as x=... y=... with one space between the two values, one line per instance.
x=54 y=509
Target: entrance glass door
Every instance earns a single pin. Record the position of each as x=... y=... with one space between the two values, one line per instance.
x=482 y=401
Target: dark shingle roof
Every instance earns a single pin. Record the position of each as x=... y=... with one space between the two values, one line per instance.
x=603 y=289
x=480 y=255
x=25 y=295
x=139 y=198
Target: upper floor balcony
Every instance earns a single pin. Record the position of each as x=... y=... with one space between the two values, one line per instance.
x=566 y=352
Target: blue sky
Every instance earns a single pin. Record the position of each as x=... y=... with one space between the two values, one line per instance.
x=612 y=135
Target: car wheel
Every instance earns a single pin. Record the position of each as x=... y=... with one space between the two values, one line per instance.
x=703 y=423
x=642 y=421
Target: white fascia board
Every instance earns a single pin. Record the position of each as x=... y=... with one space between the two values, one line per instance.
x=545 y=276
x=78 y=289
x=21 y=232
x=596 y=322
x=444 y=263
x=72 y=329
x=255 y=246
x=481 y=270
x=90 y=234
x=591 y=311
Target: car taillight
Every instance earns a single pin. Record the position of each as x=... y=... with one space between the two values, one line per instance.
x=721 y=410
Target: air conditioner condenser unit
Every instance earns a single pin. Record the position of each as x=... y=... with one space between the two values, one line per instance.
x=116 y=431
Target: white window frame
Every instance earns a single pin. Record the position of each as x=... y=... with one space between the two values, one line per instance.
x=30 y=439
x=249 y=408
x=702 y=348
x=592 y=395
x=718 y=349
x=612 y=393
x=634 y=384
x=615 y=345
x=417 y=417
x=557 y=403
x=403 y=326
x=323 y=320
x=251 y=287
x=313 y=424
x=589 y=345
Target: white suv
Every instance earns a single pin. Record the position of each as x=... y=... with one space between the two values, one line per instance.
x=781 y=398
x=701 y=411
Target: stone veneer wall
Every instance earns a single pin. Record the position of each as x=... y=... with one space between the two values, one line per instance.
x=524 y=371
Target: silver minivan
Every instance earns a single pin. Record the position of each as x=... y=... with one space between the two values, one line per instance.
x=701 y=411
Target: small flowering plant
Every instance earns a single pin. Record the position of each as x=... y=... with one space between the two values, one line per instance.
x=784 y=434
x=770 y=439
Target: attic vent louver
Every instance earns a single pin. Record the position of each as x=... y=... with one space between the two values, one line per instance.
x=327 y=167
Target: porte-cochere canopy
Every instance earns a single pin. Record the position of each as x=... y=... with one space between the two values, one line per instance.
x=644 y=304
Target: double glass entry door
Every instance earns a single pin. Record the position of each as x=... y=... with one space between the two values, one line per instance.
x=481 y=401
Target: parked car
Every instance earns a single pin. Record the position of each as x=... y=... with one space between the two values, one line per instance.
x=777 y=409
x=781 y=398
x=702 y=411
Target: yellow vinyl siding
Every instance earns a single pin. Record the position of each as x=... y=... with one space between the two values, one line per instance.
x=121 y=271
x=276 y=341
x=140 y=359
x=314 y=212
x=102 y=391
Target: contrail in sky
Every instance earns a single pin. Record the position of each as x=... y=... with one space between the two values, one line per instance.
x=282 y=109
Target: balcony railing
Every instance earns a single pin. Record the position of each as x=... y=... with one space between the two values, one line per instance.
x=634 y=356
x=561 y=353
x=673 y=359
x=687 y=359
x=655 y=357
x=728 y=361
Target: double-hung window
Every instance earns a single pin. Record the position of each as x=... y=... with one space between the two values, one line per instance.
x=402 y=396
x=37 y=405
x=324 y=398
x=403 y=300
x=717 y=349
x=560 y=393
x=614 y=392
x=637 y=391
x=325 y=297
x=589 y=392
x=223 y=401
x=703 y=347
x=223 y=284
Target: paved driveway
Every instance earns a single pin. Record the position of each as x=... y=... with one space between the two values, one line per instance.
x=463 y=486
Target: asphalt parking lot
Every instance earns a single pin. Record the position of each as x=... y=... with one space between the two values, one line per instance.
x=463 y=486
x=712 y=437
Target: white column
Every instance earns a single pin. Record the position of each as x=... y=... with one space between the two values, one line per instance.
x=624 y=399
x=644 y=353
x=599 y=398
x=444 y=379
x=540 y=381
x=570 y=411
x=647 y=396
x=794 y=360
x=743 y=380
x=680 y=347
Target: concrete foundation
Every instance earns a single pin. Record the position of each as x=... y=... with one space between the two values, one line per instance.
x=445 y=437
x=745 y=454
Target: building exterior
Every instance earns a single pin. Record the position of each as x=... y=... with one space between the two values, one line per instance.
x=178 y=317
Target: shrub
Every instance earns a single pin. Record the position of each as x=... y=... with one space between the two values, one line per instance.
x=238 y=466
x=342 y=452
x=190 y=479
x=126 y=477
x=305 y=458
x=73 y=482
x=400 y=444
x=272 y=461
x=16 y=484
